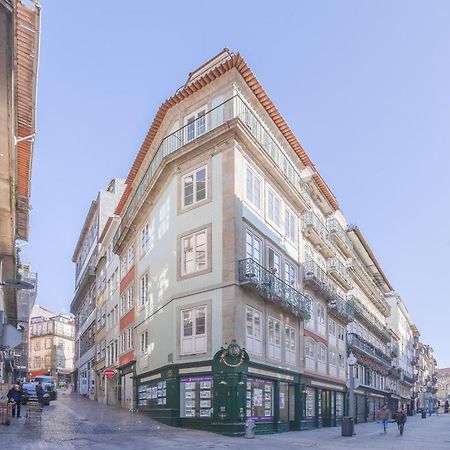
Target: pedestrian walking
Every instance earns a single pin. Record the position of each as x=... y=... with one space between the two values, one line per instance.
x=383 y=415
x=401 y=420
x=40 y=393
x=15 y=398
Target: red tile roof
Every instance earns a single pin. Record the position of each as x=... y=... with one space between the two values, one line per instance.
x=234 y=62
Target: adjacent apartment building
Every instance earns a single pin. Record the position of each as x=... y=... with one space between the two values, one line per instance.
x=52 y=344
x=19 y=53
x=84 y=302
x=228 y=284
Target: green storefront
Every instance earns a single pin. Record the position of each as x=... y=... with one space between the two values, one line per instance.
x=220 y=395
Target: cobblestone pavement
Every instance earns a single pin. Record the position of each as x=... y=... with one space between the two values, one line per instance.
x=72 y=423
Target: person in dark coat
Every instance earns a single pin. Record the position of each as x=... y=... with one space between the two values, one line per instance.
x=40 y=393
x=15 y=397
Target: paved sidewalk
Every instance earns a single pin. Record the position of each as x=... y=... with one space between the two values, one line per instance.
x=73 y=423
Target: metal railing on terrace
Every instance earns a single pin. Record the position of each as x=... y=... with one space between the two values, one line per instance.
x=366 y=279
x=395 y=372
x=335 y=228
x=335 y=264
x=368 y=318
x=342 y=309
x=234 y=107
x=273 y=288
x=313 y=273
x=311 y=220
x=355 y=340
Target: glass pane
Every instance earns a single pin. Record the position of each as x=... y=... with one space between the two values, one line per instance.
x=188 y=183
x=257 y=193
x=201 y=123
x=200 y=252
x=190 y=130
x=188 y=251
x=249 y=322
x=200 y=185
x=200 y=321
x=187 y=323
x=249 y=185
x=257 y=324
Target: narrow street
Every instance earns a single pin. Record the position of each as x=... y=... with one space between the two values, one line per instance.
x=73 y=422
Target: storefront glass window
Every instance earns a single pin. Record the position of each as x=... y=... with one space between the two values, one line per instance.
x=152 y=394
x=284 y=402
x=196 y=397
x=260 y=399
x=339 y=404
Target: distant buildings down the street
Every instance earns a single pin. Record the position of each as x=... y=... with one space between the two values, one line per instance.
x=52 y=344
x=220 y=281
x=443 y=384
x=19 y=54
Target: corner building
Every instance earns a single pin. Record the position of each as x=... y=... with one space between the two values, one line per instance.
x=234 y=280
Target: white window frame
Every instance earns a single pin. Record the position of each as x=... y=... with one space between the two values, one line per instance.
x=275 y=264
x=194 y=236
x=145 y=239
x=321 y=313
x=290 y=345
x=322 y=353
x=253 y=182
x=144 y=342
x=253 y=343
x=272 y=213
x=290 y=225
x=341 y=332
x=196 y=342
x=193 y=174
x=250 y=239
x=274 y=338
x=310 y=348
x=290 y=274
x=332 y=327
x=332 y=358
x=194 y=118
x=144 y=289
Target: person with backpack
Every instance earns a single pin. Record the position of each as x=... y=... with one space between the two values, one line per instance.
x=15 y=397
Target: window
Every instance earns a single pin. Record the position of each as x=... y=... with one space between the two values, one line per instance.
x=341 y=332
x=144 y=290
x=144 y=342
x=194 y=187
x=289 y=225
x=252 y=247
x=193 y=330
x=37 y=345
x=322 y=353
x=310 y=348
x=123 y=266
x=126 y=300
x=332 y=358
x=310 y=321
x=194 y=253
x=129 y=338
x=130 y=257
x=289 y=274
x=145 y=239
x=332 y=327
x=274 y=262
x=289 y=344
x=274 y=339
x=253 y=188
x=196 y=125
x=321 y=313
x=253 y=331
x=48 y=343
x=109 y=253
x=273 y=208
x=47 y=361
x=341 y=361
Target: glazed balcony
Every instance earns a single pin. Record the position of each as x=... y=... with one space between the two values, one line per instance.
x=317 y=279
x=193 y=132
x=339 y=237
x=272 y=288
x=317 y=233
x=358 y=343
x=340 y=273
x=366 y=283
x=369 y=320
x=341 y=310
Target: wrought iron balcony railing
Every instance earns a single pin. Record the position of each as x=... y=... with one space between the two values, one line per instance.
x=369 y=319
x=273 y=288
x=340 y=237
x=340 y=272
x=233 y=108
x=354 y=340
x=317 y=233
x=395 y=372
x=317 y=279
x=407 y=378
x=341 y=309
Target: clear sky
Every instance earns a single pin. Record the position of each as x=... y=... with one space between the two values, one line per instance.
x=364 y=86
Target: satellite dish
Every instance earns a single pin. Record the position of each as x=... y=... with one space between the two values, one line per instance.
x=17 y=284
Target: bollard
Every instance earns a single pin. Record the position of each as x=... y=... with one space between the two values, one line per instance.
x=250 y=429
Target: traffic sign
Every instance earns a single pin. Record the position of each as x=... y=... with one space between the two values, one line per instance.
x=109 y=373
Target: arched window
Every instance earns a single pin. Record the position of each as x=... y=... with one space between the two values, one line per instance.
x=310 y=348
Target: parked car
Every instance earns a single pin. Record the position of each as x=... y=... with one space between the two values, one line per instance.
x=48 y=384
x=29 y=394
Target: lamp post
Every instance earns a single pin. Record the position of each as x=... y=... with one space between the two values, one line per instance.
x=351 y=361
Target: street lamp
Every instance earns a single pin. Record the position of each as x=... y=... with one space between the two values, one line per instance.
x=351 y=361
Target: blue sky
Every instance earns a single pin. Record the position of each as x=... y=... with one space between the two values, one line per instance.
x=364 y=86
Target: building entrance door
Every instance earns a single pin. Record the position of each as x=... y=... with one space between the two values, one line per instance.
x=327 y=400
